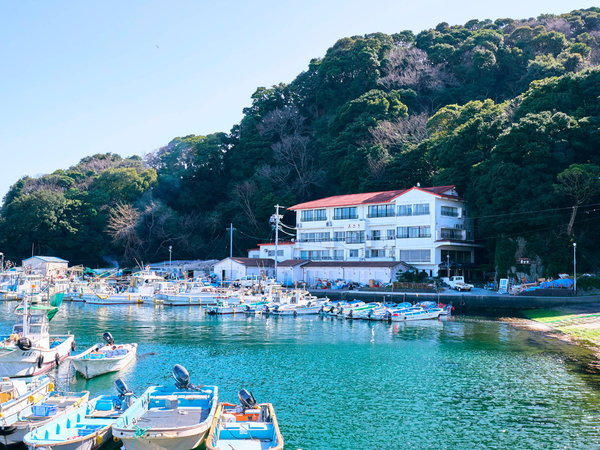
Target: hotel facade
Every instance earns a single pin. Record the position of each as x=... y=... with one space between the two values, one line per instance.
x=424 y=227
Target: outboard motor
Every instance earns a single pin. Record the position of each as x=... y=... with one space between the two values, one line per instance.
x=125 y=394
x=108 y=338
x=247 y=400
x=182 y=378
x=122 y=388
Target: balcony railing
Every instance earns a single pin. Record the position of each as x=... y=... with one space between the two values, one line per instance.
x=354 y=216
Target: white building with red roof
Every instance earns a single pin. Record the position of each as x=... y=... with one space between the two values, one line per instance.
x=423 y=227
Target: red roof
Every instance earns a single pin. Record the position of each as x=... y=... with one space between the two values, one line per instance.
x=369 y=198
x=280 y=243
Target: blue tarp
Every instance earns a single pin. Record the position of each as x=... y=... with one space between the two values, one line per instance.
x=564 y=283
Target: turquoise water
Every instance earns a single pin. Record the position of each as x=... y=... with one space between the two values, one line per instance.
x=461 y=383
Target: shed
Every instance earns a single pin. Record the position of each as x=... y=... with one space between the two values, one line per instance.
x=47 y=266
x=236 y=268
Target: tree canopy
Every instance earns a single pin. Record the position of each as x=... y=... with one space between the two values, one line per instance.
x=507 y=110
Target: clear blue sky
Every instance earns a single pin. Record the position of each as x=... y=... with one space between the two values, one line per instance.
x=126 y=76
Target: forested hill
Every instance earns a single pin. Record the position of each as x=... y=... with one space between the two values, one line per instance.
x=507 y=110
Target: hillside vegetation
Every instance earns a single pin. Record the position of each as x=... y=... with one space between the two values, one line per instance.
x=507 y=110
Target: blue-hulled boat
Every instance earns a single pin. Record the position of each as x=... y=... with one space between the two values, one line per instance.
x=248 y=426
x=165 y=417
x=86 y=428
x=55 y=405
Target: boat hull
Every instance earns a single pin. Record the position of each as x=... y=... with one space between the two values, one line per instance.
x=24 y=363
x=422 y=316
x=91 y=368
x=162 y=441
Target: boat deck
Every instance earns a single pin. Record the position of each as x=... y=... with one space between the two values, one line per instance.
x=160 y=418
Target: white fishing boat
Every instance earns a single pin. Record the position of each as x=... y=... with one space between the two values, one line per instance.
x=16 y=394
x=169 y=418
x=55 y=405
x=415 y=313
x=104 y=358
x=30 y=350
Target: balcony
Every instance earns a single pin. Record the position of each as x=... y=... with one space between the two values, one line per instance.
x=315 y=240
x=454 y=234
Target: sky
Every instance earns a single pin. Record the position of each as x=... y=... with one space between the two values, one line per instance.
x=86 y=77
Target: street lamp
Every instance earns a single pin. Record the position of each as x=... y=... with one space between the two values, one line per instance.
x=448 y=263
x=170 y=260
x=575 y=268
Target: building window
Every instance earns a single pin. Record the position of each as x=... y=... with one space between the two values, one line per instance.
x=456 y=256
x=381 y=211
x=452 y=233
x=315 y=255
x=450 y=211
x=314 y=237
x=339 y=236
x=345 y=213
x=272 y=252
x=355 y=237
x=338 y=255
x=420 y=209
x=391 y=234
x=376 y=235
x=414 y=232
x=415 y=255
x=312 y=215
x=353 y=253
x=377 y=253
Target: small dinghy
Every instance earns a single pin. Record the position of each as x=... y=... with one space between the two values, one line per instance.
x=415 y=313
x=170 y=418
x=55 y=405
x=85 y=428
x=104 y=358
x=246 y=426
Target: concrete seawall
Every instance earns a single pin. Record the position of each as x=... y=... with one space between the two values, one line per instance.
x=464 y=303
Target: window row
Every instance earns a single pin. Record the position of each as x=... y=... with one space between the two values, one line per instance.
x=314 y=237
x=413 y=232
x=311 y=215
x=456 y=256
x=351 y=212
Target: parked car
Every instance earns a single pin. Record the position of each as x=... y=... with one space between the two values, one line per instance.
x=458 y=282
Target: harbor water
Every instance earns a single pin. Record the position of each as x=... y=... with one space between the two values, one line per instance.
x=462 y=382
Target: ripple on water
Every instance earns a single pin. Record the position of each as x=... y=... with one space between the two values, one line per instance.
x=461 y=383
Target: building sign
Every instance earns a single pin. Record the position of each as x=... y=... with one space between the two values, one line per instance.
x=526 y=261
x=356 y=226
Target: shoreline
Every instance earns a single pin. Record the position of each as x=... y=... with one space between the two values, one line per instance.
x=576 y=326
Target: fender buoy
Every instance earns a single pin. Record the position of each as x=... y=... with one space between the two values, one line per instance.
x=57 y=359
x=24 y=344
x=40 y=361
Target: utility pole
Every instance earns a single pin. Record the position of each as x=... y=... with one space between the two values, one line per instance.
x=575 y=268
x=231 y=230
x=170 y=261
x=275 y=218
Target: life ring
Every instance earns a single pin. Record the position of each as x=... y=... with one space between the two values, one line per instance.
x=57 y=359
x=40 y=361
x=73 y=346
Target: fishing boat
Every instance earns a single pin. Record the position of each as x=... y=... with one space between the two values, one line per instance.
x=104 y=358
x=30 y=350
x=87 y=427
x=170 y=418
x=53 y=406
x=16 y=394
x=362 y=312
x=415 y=313
x=245 y=426
x=226 y=308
